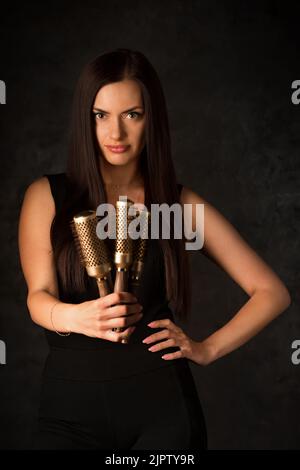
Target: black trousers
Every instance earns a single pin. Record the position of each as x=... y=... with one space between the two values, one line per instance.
x=154 y=410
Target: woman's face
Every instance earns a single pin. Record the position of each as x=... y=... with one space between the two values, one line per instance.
x=120 y=120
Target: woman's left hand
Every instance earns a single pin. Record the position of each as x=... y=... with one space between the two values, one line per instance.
x=173 y=336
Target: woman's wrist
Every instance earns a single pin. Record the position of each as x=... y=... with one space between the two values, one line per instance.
x=205 y=352
x=62 y=317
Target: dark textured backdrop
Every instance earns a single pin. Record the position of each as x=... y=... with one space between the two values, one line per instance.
x=226 y=69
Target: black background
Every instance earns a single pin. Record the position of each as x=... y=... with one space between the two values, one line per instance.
x=227 y=70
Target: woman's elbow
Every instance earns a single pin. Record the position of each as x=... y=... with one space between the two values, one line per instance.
x=279 y=295
x=287 y=297
x=283 y=296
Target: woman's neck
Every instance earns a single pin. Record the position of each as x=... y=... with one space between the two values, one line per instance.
x=116 y=177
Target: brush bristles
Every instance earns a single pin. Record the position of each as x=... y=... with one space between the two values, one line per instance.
x=140 y=244
x=92 y=251
x=77 y=244
x=123 y=241
x=121 y=222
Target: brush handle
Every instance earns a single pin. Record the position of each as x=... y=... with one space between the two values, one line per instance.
x=134 y=288
x=121 y=282
x=103 y=286
x=110 y=281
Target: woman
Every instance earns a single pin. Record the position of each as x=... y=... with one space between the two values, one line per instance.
x=103 y=389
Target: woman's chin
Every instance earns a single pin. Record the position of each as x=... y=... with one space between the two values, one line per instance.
x=117 y=160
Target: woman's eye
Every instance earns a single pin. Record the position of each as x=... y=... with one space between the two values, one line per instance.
x=132 y=113
x=135 y=113
x=98 y=114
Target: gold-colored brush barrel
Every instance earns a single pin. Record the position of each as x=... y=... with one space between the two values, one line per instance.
x=93 y=251
x=123 y=246
x=139 y=251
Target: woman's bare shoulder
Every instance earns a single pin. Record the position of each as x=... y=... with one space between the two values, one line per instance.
x=38 y=197
x=189 y=196
x=39 y=188
x=40 y=184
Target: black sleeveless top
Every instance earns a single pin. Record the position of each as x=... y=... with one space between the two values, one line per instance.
x=131 y=357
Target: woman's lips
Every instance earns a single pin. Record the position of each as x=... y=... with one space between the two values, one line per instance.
x=117 y=148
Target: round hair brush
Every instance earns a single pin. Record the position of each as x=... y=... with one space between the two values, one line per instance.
x=93 y=252
x=139 y=252
x=123 y=248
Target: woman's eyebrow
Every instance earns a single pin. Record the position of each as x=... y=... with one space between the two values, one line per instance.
x=127 y=110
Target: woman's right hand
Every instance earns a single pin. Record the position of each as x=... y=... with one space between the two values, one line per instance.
x=96 y=318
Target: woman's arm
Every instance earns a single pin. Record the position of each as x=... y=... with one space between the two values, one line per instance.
x=268 y=295
x=36 y=256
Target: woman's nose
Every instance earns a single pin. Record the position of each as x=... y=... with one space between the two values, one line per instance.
x=116 y=130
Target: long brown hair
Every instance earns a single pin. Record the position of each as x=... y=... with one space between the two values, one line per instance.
x=85 y=183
